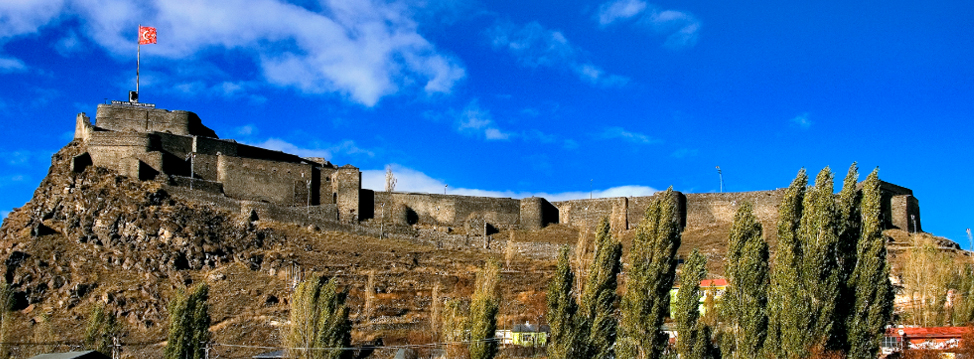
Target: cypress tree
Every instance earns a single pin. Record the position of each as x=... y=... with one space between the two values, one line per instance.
x=599 y=296
x=650 y=277
x=483 y=313
x=874 y=294
x=744 y=306
x=822 y=276
x=455 y=325
x=787 y=309
x=319 y=319
x=693 y=340
x=563 y=319
x=189 y=324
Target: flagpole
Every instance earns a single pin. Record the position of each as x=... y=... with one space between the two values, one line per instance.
x=138 y=60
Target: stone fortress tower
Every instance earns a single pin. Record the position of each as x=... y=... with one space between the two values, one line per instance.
x=174 y=147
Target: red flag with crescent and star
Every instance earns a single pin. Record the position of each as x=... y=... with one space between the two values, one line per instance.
x=147 y=35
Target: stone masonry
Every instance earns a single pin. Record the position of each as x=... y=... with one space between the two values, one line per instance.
x=175 y=147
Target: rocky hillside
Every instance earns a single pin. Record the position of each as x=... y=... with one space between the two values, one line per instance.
x=97 y=238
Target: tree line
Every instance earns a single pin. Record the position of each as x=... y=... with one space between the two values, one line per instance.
x=826 y=292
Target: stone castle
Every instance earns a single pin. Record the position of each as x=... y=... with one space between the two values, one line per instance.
x=175 y=148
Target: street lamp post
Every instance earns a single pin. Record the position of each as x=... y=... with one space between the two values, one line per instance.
x=721 y=175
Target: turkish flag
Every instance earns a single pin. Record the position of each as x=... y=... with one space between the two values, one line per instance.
x=147 y=35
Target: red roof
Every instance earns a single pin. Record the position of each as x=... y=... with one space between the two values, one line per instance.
x=713 y=283
x=710 y=283
x=929 y=332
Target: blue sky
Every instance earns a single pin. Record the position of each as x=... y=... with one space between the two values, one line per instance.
x=515 y=98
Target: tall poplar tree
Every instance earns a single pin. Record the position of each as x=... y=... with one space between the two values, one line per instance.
x=787 y=308
x=189 y=324
x=483 y=312
x=850 y=228
x=744 y=306
x=599 y=296
x=693 y=337
x=650 y=277
x=874 y=293
x=319 y=319
x=566 y=328
x=822 y=275
x=102 y=330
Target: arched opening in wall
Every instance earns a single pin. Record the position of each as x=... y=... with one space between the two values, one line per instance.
x=334 y=198
x=80 y=162
x=411 y=216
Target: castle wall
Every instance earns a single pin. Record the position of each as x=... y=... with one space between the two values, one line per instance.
x=212 y=146
x=704 y=209
x=140 y=119
x=448 y=210
x=260 y=180
x=83 y=127
x=899 y=208
x=206 y=167
x=108 y=149
x=179 y=146
x=326 y=187
x=905 y=213
x=536 y=213
x=267 y=155
x=346 y=183
x=586 y=213
x=637 y=208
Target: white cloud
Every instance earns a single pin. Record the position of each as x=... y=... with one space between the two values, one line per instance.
x=535 y=46
x=26 y=157
x=621 y=9
x=634 y=137
x=802 y=121
x=680 y=27
x=346 y=147
x=495 y=134
x=410 y=180
x=476 y=120
x=69 y=44
x=246 y=130
x=12 y=179
x=8 y=64
x=361 y=49
x=4 y=214
x=22 y=17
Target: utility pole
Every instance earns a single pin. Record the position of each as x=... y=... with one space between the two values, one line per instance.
x=721 y=175
x=444 y=188
x=591 y=188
